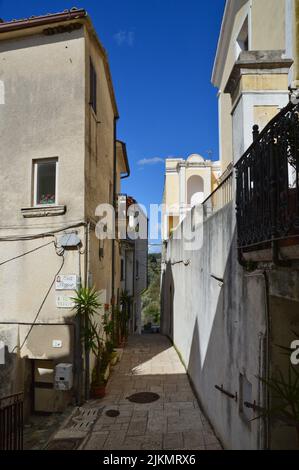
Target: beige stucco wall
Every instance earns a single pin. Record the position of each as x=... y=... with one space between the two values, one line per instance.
x=231 y=53
x=98 y=164
x=46 y=114
x=178 y=172
x=266 y=32
x=263 y=114
x=268 y=25
x=224 y=100
x=172 y=195
x=43 y=116
x=273 y=81
x=225 y=130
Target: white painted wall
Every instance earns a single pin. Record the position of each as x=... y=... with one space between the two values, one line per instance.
x=216 y=326
x=243 y=116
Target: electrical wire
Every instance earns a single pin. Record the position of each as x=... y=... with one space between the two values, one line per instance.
x=43 y=303
x=10 y=238
x=26 y=253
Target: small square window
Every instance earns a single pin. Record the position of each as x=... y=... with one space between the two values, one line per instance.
x=45 y=185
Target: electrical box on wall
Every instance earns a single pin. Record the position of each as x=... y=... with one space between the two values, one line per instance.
x=63 y=376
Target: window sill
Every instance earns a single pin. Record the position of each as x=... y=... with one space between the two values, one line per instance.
x=45 y=211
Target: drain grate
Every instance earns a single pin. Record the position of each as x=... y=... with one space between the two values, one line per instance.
x=144 y=397
x=64 y=444
x=83 y=419
x=112 y=413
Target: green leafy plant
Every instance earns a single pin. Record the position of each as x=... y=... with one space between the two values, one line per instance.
x=285 y=398
x=87 y=305
x=108 y=324
x=151 y=297
x=284 y=390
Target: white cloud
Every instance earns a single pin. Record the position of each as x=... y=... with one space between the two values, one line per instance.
x=150 y=161
x=124 y=38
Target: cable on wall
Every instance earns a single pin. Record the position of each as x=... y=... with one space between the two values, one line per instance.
x=10 y=238
x=26 y=253
x=43 y=302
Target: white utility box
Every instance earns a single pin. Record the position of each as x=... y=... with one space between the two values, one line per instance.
x=63 y=376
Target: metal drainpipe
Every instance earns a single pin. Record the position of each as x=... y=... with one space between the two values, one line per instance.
x=113 y=241
x=86 y=279
x=78 y=343
x=78 y=359
x=268 y=355
x=134 y=287
x=266 y=365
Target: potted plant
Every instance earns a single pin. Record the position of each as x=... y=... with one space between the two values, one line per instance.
x=87 y=305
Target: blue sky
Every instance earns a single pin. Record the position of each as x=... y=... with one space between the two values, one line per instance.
x=161 y=54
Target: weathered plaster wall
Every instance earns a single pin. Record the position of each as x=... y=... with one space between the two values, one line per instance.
x=42 y=117
x=268 y=25
x=245 y=116
x=267 y=21
x=211 y=327
x=216 y=314
x=46 y=114
x=99 y=142
x=225 y=130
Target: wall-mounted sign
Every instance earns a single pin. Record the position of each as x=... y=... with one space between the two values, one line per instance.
x=64 y=301
x=66 y=282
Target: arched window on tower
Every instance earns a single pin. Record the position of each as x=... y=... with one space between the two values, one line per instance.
x=195 y=190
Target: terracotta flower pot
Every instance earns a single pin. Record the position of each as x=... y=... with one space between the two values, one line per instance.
x=98 y=391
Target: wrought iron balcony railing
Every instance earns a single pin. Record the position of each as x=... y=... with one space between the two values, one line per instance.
x=267 y=184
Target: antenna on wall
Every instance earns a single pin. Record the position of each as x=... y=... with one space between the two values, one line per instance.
x=210 y=153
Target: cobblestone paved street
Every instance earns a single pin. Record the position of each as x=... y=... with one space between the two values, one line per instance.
x=173 y=422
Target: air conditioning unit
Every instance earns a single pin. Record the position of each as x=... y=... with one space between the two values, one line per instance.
x=63 y=376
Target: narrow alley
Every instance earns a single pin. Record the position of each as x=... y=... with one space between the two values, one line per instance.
x=174 y=421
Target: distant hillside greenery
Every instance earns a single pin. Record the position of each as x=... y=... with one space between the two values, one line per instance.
x=151 y=297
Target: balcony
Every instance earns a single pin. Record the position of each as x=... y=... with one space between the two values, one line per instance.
x=267 y=195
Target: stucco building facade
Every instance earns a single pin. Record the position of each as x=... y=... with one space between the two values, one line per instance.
x=133 y=259
x=59 y=160
x=228 y=303
x=187 y=183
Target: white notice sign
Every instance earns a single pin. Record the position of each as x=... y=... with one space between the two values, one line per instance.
x=66 y=282
x=64 y=301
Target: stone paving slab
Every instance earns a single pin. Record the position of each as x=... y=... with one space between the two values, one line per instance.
x=174 y=422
